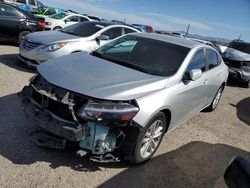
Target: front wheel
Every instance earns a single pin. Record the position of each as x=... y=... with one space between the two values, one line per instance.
x=149 y=139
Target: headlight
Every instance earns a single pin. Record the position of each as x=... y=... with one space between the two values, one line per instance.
x=108 y=111
x=48 y=23
x=53 y=47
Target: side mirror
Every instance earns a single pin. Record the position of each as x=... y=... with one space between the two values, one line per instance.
x=102 y=37
x=237 y=173
x=195 y=74
x=67 y=20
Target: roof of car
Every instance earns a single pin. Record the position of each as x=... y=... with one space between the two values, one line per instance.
x=199 y=40
x=171 y=39
x=109 y=23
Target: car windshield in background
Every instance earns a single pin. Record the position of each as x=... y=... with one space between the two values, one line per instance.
x=244 y=47
x=59 y=16
x=143 y=54
x=83 y=29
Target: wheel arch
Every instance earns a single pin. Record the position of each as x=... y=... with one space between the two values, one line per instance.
x=168 y=116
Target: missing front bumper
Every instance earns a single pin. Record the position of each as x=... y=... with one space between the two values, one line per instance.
x=46 y=120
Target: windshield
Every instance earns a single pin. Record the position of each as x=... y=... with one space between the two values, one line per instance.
x=144 y=54
x=59 y=16
x=241 y=46
x=83 y=29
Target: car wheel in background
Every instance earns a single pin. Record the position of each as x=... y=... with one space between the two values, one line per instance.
x=21 y=36
x=149 y=139
x=247 y=85
x=57 y=28
x=215 y=101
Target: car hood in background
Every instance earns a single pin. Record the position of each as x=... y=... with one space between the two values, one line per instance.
x=98 y=78
x=235 y=55
x=47 y=37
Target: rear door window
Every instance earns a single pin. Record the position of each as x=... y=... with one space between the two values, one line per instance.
x=82 y=19
x=212 y=59
x=113 y=33
x=127 y=30
x=74 y=18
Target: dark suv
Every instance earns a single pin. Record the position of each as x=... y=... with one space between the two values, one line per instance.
x=237 y=58
x=15 y=23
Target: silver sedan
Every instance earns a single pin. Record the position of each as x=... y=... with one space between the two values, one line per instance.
x=39 y=47
x=121 y=99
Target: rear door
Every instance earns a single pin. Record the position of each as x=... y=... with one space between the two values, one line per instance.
x=10 y=22
x=214 y=72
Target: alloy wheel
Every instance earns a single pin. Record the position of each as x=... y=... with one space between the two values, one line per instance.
x=151 y=138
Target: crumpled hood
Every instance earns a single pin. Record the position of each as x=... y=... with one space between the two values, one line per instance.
x=98 y=78
x=47 y=37
x=235 y=55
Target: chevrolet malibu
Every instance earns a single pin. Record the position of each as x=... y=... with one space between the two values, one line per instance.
x=118 y=101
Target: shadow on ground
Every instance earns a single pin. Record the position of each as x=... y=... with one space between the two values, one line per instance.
x=235 y=83
x=196 y=164
x=243 y=110
x=11 y=60
x=9 y=44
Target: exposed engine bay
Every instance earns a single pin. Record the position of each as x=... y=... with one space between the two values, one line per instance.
x=100 y=127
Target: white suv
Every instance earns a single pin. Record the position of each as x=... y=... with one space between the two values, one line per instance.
x=61 y=20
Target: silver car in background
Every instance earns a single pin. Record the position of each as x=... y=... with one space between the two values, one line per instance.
x=87 y=36
x=119 y=100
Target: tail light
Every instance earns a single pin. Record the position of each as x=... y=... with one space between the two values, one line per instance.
x=42 y=25
x=149 y=29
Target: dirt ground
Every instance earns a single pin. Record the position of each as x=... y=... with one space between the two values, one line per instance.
x=193 y=155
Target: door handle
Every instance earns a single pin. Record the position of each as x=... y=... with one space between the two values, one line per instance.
x=220 y=74
x=205 y=81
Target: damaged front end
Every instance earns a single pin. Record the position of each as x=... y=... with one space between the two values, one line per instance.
x=104 y=129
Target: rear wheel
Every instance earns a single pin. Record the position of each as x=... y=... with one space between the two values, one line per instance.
x=21 y=36
x=216 y=100
x=149 y=139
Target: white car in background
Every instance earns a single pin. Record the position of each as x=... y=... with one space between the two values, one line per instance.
x=62 y=20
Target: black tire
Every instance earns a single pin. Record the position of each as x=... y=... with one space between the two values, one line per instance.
x=21 y=35
x=57 y=28
x=136 y=156
x=247 y=85
x=213 y=106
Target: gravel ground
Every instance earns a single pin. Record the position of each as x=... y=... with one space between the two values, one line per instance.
x=193 y=155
